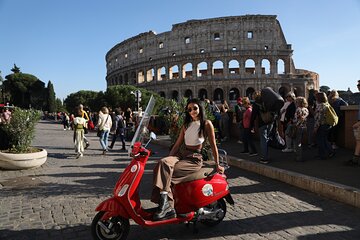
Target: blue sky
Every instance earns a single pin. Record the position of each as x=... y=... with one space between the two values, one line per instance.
x=66 y=41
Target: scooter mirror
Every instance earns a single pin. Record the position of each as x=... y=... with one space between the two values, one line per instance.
x=153 y=136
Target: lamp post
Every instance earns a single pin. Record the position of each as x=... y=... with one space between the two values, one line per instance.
x=137 y=94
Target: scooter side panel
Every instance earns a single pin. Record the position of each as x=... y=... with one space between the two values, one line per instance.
x=112 y=207
x=190 y=196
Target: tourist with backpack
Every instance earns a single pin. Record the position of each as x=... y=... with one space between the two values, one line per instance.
x=239 y=110
x=324 y=120
x=265 y=125
x=119 y=129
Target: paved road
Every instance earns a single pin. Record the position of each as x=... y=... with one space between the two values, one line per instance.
x=57 y=200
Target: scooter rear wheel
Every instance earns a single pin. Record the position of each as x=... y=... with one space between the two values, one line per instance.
x=216 y=206
x=119 y=230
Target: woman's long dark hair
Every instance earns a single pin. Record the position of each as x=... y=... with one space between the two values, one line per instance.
x=202 y=115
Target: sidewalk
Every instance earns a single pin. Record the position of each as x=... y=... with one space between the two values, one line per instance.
x=329 y=178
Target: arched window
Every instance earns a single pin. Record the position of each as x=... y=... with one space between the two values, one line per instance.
x=140 y=77
x=249 y=93
x=188 y=94
x=202 y=69
x=280 y=66
x=174 y=72
x=187 y=70
x=265 y=66
x=218 y=68
x=175 y=95
x=234 y=67
x=161 y=74
x=150 y=75
x=162 y=94
x=250 y=66
x=234 y=94
x=218 y=94
x=202 y=94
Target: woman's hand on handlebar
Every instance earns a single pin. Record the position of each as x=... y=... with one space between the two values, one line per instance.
x=220 y=169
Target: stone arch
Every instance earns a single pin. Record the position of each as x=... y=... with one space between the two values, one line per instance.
x=218 y=94
x=141 y=77
x=250 y=66
x=175 y=95
x=202 y=69
x=126 y=78
x=202 y=94
x=234 y=67
x=234 y=93
x=283 y=91
x=121 y=79
x=249 y=92
x=217 y=68
x=265 y=66
x=174 y=72
x=150 y=75
x=161 y=73
x=188 y=94
x=281 y=66
x=162 y=94
x=187 y=70
x=133 y=77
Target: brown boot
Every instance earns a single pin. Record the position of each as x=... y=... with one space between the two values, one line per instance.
x=165 y=211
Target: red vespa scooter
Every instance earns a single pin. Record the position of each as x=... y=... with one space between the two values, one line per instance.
x=200 y=200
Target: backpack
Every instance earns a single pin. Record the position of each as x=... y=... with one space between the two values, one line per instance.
x=265 y=115
x=331 y=118
x=238 y=113
x=121 y=122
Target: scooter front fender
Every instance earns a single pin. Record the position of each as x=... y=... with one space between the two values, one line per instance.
x=112 y=207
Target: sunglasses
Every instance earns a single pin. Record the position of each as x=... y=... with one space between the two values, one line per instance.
x=192 y=109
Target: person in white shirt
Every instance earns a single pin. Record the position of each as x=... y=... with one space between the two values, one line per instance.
x=104 y=125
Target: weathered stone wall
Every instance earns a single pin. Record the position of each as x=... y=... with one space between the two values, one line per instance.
x=219 y=58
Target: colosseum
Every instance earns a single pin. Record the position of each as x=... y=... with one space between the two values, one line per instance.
x=218 y=58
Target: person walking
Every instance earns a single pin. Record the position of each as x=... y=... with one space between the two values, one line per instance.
x=79 y=125
x=119 y=125
x=104 y=125
x=86 y=116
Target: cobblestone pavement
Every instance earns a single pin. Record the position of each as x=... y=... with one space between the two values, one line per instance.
x=57 y=200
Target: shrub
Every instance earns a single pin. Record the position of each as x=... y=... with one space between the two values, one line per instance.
x=20 y=130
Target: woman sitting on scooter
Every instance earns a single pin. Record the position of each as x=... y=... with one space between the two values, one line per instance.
x=182 y=162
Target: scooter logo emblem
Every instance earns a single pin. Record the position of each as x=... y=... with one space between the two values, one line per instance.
x=123 y=190
x=207 y=190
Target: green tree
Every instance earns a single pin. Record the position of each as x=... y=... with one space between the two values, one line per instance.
x=86 y=98
x=51 y=99
x=324 y=89
x=24 y=89
x=59 y=105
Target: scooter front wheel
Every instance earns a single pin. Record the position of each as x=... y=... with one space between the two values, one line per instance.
x=115 y=228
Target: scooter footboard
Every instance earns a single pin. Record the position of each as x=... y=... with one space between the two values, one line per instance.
x=112 y=207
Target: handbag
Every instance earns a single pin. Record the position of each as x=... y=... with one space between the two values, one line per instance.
x=99 y=132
